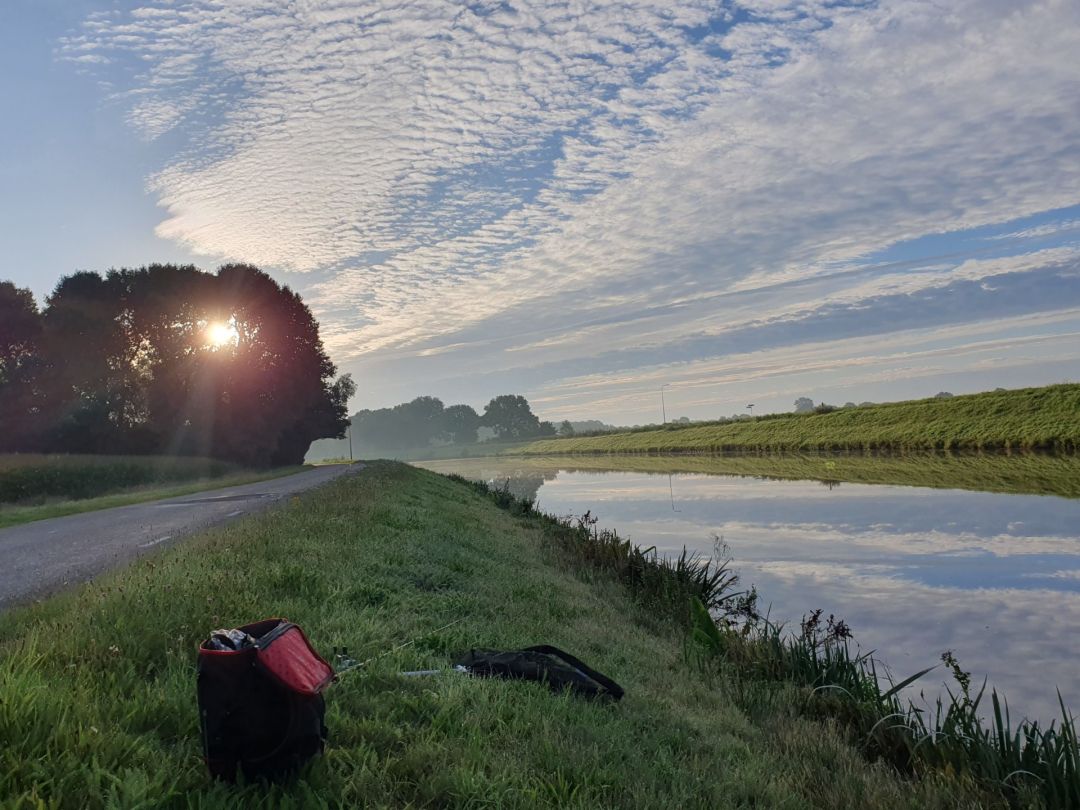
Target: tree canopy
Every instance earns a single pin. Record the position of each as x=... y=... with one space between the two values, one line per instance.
x=510 y=416
x=425 y=422
x=167 y=359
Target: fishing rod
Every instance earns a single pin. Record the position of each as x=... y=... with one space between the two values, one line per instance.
x=343 y=663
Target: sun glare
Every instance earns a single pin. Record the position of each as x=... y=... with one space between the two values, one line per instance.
x=220 y=334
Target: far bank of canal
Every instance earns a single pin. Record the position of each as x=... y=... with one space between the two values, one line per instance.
x=992 y=576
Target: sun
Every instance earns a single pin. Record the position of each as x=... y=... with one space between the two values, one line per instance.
x=220 y=334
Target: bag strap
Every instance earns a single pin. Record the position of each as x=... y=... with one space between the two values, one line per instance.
x=613 y=688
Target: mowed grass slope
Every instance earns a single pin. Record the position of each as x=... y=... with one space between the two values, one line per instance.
x=1045 y=418
x=97 y=686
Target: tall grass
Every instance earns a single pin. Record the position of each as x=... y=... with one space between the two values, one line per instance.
x=26 y=478
x=1023 y=762
x=1031 y=419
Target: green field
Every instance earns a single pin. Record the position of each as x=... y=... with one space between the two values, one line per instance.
x=97 y=704
x=1030 y=419
x=37 y=487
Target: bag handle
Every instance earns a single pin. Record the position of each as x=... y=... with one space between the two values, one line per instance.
x=613 y=688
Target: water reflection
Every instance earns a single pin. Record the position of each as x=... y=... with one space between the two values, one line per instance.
x=915 y=571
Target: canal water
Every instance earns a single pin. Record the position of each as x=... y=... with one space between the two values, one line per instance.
x=992 y=576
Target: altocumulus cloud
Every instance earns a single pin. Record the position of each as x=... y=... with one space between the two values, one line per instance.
x=462 y=174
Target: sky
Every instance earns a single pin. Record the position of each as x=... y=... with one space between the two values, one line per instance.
x=578 y=201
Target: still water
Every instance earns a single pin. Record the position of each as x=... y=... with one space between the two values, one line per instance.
x=992 y=576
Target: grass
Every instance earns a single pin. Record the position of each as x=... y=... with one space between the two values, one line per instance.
x=97 y=705
x=1028 y=473
x=16 y=514
x=1030 y=419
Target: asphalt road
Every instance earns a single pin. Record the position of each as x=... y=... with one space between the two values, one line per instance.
x=39 y=558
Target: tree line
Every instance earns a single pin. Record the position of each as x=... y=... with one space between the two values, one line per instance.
x=425 y=421
x=167 y=359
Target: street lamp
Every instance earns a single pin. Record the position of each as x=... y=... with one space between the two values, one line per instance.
x=663 y=407
x=750 y=408
x=350 y=440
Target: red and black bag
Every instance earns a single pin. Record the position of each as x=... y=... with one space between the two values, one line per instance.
x=261 y=708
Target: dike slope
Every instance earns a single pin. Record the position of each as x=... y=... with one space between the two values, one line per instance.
x=1031 y=419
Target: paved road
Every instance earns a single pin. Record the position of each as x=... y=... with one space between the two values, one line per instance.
x=42 y=557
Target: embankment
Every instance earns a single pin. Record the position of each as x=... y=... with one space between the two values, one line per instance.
x=1030 y=419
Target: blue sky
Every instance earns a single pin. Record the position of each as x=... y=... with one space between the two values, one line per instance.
x=581 y=202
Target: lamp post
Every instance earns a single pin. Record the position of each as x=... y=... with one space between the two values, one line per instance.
x=750 y=408
x=350 y=440
x=663 y=407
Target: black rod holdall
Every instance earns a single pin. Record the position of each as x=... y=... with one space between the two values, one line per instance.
x=546 y=664
x=260 y=700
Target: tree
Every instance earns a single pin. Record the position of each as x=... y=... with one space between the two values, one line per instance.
x=130 y=363
x=547 y=429
x=511 y=417
x=20 y=333
x=943 y=395
x=460 y=424
x=804 y=405
x=565 y=428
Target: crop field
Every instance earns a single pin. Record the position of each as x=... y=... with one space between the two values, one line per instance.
x=27 y=478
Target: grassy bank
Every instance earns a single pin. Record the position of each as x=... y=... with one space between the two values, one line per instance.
x=97 y=685
x=1045 y=419
x=1031 y=474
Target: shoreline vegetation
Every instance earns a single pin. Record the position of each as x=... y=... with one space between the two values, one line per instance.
x=37 y=487
x=723 y=709
x=1045 y=419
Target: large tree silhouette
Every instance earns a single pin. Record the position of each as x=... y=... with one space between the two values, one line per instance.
x=171 y=359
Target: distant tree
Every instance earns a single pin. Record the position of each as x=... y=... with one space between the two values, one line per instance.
x=460 y=424
x=850 y=405
x=566 y=429
x=866 y=404
x=943 y=395
x=824 y=408
x=546 y=430
x=804 y=405
x=510 y=416
x=590 y=425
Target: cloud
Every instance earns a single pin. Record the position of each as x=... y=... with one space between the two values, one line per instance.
x=440 y=170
